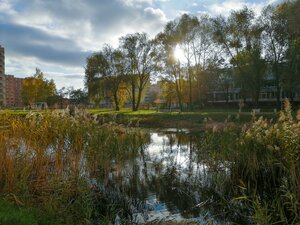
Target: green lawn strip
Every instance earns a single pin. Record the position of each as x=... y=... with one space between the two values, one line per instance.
x=16 y=215
x=151 y=118
x=18 y=112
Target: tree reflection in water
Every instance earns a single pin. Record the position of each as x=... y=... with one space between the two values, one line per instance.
x=170 y=178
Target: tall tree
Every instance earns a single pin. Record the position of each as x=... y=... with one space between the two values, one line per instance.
x=206 y=55
x=93 y=75
x=37 y=88
x=253 y=67
x=240 y=37
x=291 y=73
x=167 y=42
x=140 y=61
x=104 y=75
x=186 y=30
x=275 y=40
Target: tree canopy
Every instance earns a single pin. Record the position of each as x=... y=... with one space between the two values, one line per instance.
x=37 y=88
x=195 y=55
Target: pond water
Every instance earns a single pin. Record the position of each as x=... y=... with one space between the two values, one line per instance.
x=169 y=179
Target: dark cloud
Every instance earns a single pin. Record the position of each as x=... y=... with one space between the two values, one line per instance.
x=37 y=27
x=60 y=34
x=27 y=41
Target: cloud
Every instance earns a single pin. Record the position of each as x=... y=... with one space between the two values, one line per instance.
x=57 y=33
x=66 y=79
x=31 y=42
x=226 y=7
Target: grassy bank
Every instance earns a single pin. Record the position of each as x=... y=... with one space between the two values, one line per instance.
x=198 y=119
x=201 y=119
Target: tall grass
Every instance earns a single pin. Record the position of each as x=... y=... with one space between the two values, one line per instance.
x=269 y=164
x=49 y=161
x=264 y=162
x=57 y=162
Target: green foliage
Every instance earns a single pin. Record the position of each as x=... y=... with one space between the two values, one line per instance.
x=78 y=97
x=17 y=215
x=37 y=88
x=140 y=62
x=104 y=76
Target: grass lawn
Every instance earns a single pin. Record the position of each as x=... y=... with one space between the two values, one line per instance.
x=15 y=215
x=14 y=112
x=152 y=118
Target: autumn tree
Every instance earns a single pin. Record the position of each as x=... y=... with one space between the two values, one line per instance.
x=253 y=69
x=37 y=88
x=275 y=40
x=105 y=75
x=187 y=30
x=240 y=37
x=206 y=57
x=291 y=73
x=172 y=69
x=140 y=61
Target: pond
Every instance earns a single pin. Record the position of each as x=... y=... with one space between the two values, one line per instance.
x=83 y=172
x=169 y=179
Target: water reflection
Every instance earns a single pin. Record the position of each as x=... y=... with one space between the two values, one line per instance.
x=169 y=179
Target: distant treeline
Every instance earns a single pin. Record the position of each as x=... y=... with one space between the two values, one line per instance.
x=191 y=54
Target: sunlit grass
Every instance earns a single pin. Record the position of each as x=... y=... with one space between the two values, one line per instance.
x=47 y=160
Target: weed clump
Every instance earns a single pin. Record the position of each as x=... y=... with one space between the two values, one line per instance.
x=48 y=161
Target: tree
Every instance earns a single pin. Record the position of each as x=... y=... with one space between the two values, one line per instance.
x=37 y=88
x=253 y=72
x=78 y=96
x=291 y=70
x=275 y=40
x=105 y=75
x=206 y=56
x=291 y=73
x=140 y=61
x=95 y=64
x=167 y=42
x=240 y=37
x=225 y=82
x=187 y=29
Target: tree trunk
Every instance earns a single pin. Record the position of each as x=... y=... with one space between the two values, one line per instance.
x=199 y=89
x=178 y=96
x=116 y=100
x=190 y=91
x=139 y=99
x=133 y=95
x=277 y=84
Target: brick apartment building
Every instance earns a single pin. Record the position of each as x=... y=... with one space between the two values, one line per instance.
x=2 y=72
x=13 y=91
x=10 y=86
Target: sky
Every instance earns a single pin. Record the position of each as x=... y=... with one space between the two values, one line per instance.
x=57 y=36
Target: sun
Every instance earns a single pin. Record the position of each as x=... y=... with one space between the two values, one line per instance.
x=179 y=54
